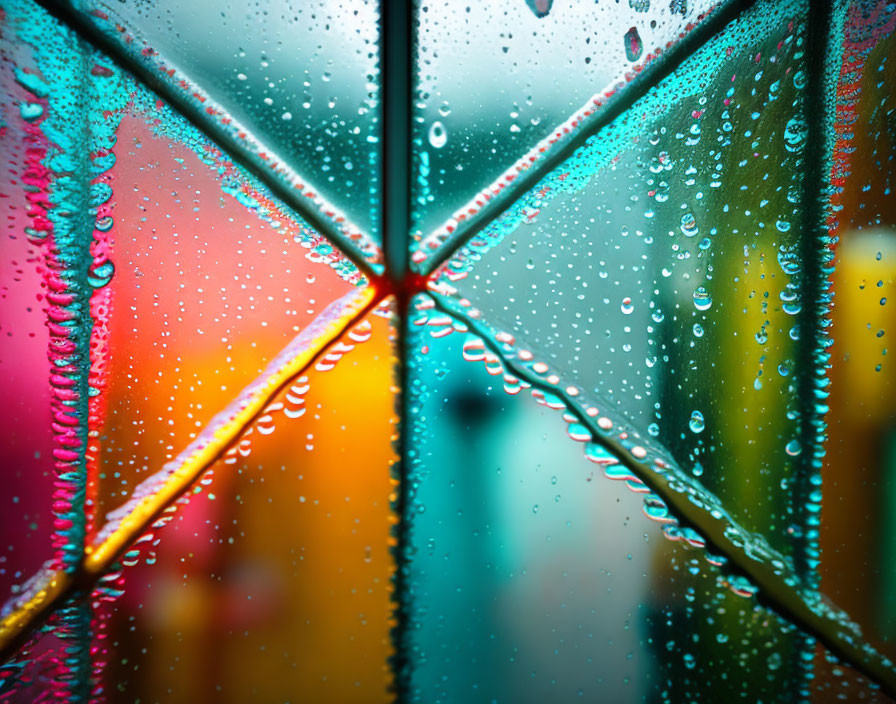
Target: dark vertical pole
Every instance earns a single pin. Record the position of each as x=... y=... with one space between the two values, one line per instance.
x=396 y=84
x=812 y=358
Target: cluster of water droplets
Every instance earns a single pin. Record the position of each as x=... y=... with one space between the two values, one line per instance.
x=328 y=137
x=290 y=404
x=238 y=183
x=616 y=448
x=550 y=392
x=485 y=138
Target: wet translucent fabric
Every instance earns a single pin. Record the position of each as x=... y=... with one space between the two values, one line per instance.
x=621 y=429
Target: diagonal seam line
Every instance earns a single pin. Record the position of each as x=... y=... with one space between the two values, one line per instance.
x=779 y=588
x=153 y=496
x=561 y=150
x=196 y=115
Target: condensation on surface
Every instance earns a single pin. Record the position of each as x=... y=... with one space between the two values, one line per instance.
x=494 y=79
x=271 y=561
x=654 y=283
x=42 y=670
x=598 y=431
x=300 y=88
x=658 y=270
x=280 y=563
x=533 y=578
x=27 y=471
x=191 y=259
x=78 y=667
x=160 y=280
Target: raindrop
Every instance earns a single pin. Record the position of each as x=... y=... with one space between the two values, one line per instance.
x=697 y=423
x=633 y=44
x=541 y=8
x=437 y=135
x=101 y=274
x=31 y=111
x=702 y=299
x=789 y=262
x=689 y=225
x=795 y=134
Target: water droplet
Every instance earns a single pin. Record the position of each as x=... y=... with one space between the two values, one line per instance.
x=795 y=134
x=541 y=8
x=599 y=455
x=437 y=135
x=697 y=424
x=702 y=299
x=31 y=111
x=793 y=448
x=627 y=306
x=789 y=262
x=101 y=274
x=689 y=225
x=633 y=44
